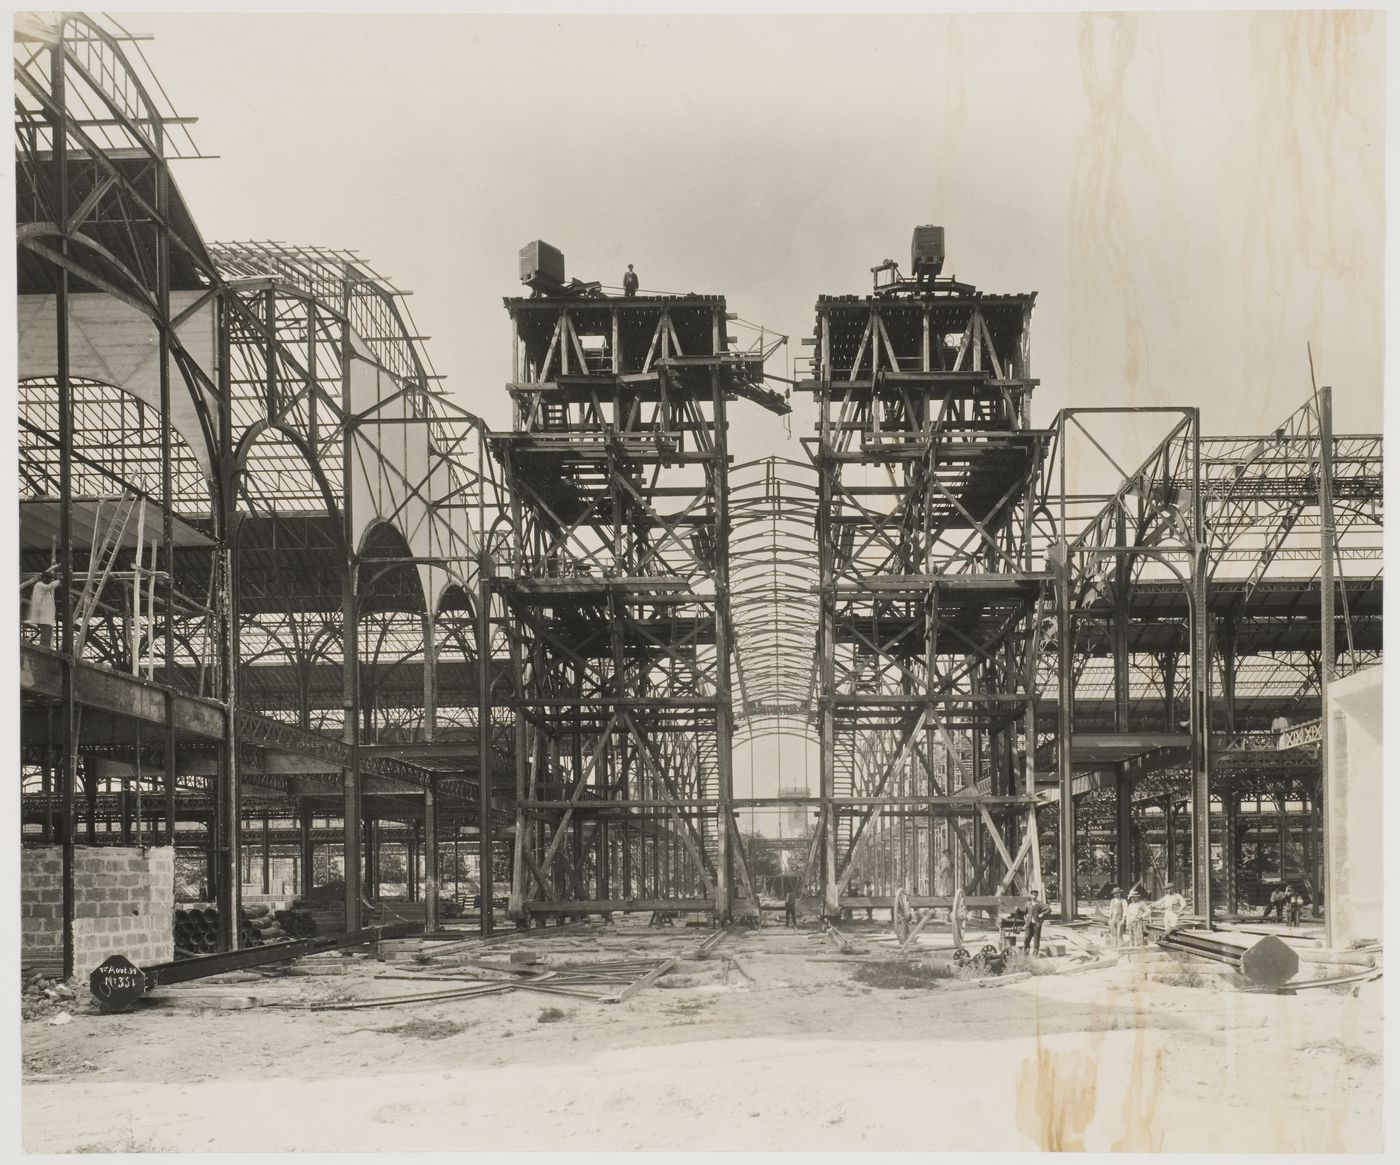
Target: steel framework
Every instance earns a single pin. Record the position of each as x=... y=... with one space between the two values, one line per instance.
x=1200 y=601
x=239 y=460
x=299 y=585
x=619 y=592
x=926 y=461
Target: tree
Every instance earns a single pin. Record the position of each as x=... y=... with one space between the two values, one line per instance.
x=765 y=859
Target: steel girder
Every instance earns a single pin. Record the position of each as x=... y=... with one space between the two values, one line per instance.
x=925 y=458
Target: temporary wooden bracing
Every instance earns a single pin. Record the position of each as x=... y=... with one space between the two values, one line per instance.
x=304 y=595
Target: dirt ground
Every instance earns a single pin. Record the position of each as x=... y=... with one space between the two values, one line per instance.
x=770 y=1043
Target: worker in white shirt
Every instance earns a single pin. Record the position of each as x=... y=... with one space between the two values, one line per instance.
x=43 y=609
x=1173 y=906
x=957 y=915
x=1117 y=917
x=1136 y=916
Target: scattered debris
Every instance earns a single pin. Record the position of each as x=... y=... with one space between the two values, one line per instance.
x=423 y=1029
x=42 y=997
x=612 y=981
x=1003 y=980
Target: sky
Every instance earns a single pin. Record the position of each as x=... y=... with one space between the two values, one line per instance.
x=1194 y=197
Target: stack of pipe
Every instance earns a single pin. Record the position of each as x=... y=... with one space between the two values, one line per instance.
x=197 y=929
x=261 y=926
x=297 y=923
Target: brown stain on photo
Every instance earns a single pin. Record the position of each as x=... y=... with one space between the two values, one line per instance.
x=1105 y=250
x=1058 y=1093
x=1310 y=69
x=1141 y=1131
x=1055 y=1098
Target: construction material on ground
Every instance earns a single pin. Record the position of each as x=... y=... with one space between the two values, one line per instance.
x=452 y=947
x=712 y=942
x=1267 y=961
x=196 y=927
x=1338 y=981
x=1336 y=958
x=467 y=992
x=1277 y=932
x=845 y=944
x=614 y=981
x=646 y=980
x=731 y=961
x=1094 y=965
x=117 y=984
x=1003 y=980
x=924 y=918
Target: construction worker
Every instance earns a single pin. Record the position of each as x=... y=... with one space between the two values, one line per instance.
x=1275 y=904
x=1036 y=910
x=1117 y=917
x=790 y=909
x=1136 y=916
x=629 y=282
x=943 y=879
x=43 y=610
x=1294 y=902
x=1173 y=906
x=957 y=915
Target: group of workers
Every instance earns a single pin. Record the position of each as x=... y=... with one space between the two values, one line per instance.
x=1286 y=904
x=1128 y=917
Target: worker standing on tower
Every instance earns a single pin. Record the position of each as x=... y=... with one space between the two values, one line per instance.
x=629 y=282
x=43 y=609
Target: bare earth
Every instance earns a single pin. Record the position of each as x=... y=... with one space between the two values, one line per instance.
x=803 y=1057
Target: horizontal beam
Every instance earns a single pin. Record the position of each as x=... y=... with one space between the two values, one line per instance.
x=619 y=905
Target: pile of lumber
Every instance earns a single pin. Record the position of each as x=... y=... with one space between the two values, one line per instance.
x=324 y=907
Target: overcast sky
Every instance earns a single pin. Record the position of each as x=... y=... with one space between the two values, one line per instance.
x=1193 y=196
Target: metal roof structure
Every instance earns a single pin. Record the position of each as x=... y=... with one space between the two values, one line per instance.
x=299 y=581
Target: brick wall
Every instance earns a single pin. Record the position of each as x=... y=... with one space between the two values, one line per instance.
x=124 y=901
x=41 y=908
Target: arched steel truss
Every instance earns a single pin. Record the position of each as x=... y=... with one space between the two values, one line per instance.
x=240 y=459
x=774 y=577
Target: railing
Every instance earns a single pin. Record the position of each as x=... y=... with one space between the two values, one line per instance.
x=1300 y=735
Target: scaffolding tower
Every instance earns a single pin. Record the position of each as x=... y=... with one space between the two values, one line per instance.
x=926 y=460
x=618 y=589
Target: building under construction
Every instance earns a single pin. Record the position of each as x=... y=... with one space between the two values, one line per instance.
x=319 y=634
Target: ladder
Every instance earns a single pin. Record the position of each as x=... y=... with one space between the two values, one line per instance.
x=556 y=416
x=107 y=544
